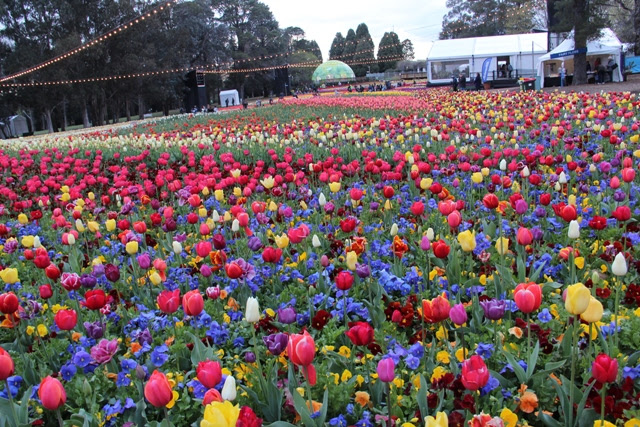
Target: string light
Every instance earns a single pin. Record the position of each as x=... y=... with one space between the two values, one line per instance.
x=95 y=41
x=305 y=64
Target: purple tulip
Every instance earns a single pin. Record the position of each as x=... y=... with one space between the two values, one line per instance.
x=605 y=167
x=324 y=261
x=94 y=330
x=458 y=314
x=11 y=246
x=521 y=206
x=287 y=315
x=98 y=270
x=205 y=270
x=112 y=272
x=425 y=244
x=254 y=243
x=373 y=206
x=386 y=370
x=538 y=234
x=329 y=208
x=493 y=309
x=144 y=261
x=87 y=281
x=363 y=271
x=144 y=337
x=276 y=343
x=249 y=357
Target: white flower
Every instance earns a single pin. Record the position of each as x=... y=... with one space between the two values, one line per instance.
x=562 y=179
x=322 y=200
x=235 y=225
x=619 y=266
x=574 y=230
x=229 y=389
x=503 y=165
x=394 y=229
x=177 y=247
x=252 y=311
x=315 y=241
x=430 y=234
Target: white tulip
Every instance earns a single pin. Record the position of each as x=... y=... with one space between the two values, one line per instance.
x=177 y=247
x=36 y=242
x=315 y=241
x=503 y=165
x=235 y=225
x=525 y=172
x=619 y=266
x=562 y=179
x=71 y=239
x=574 y=230
x=430 y=234
x=229 y=389
x=322 y=200
x=394 y=229
x=252 y=311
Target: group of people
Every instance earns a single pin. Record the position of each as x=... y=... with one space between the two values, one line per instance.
x=601 y=72
x=461 y=82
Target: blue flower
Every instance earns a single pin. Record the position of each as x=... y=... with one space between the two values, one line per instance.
x=544 y=316
x=82 y=359
x=123 y=380
x=339 y=421
x=484 y=350
x=67 y=371
x=159 y=356
x=491 y=385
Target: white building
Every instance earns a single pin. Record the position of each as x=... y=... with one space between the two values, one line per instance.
x=466 y=56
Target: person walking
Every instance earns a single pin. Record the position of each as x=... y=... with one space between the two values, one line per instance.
x=611 y=65
x=463 y=82
x=563 y=74
x=454 y=83
x=478 y=81
x=601 y=73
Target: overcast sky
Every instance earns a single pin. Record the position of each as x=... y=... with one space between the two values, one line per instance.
x=418 y=20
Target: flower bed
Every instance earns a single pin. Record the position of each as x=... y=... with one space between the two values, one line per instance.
x=396 y=260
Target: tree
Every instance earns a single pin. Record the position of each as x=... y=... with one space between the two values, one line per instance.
x=389 y=46
x=407 y=50
x=337 y=47
x=349 y=47
x=586 y=20
x=364 y=57
x=470 y=18
x=624 y=19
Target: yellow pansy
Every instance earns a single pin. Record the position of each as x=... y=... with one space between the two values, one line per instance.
x=438 y=373
x=30 y=330
x=346 y=375
x=633 y=422
x=443 y=356
x=510 y=419
x=42 y=330
x=579 y=261
x=344 y=351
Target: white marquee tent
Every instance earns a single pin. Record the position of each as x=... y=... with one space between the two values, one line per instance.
x=607 y=45
x=467 y=55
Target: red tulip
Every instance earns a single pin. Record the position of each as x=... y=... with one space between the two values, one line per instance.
x=45 y=291
x=203 y=249
x=545 y=199
x=604 y=369
x=8 y=303
x=212 y=395
x=360 y=333
x=454 y=219
x=301 y=349
x=233 y=270
x=298 y=234
x=446 y=207
x=440 y=249
x=528 y=297
x=219 y=242
x=622 y=213
x=6 y=365
x=158 y=390
x=169 y=301
x=569 y=213
x=356 y=193
x=490 y=201
x=52 y=393
x=417 y=208
x=388 y=192
x=95 y=299
x=628 y=174
x=347 y=225
x=436 y=310
x=193 y=303
x=209 y=373
x=52 y=272
x=524 y=236
x=66 y=319
x=140 y=227
x=598 y=222
x=344 y=280
x=475 y=374
x=271 y=255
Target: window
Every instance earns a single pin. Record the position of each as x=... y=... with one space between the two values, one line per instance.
x=441 y=70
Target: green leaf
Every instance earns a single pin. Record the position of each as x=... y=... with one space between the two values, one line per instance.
x=421 y=397
x=533 y=359
x=323 y=411
x=547 y=420
x=517 y=369
x=280 y=424
x=301 y=407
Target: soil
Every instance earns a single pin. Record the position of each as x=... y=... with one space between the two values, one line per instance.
x=632 y=84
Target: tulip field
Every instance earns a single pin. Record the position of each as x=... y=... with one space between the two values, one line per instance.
x=413 y=259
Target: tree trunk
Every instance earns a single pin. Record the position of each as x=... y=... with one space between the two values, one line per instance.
x=140 y=107
x=636 y=27
x=127 y=108
x=47 y=116
x=580 y=38
x=85 y=113
x=65 y=121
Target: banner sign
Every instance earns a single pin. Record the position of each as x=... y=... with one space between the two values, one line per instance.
x=485 y=69
x=568 y=53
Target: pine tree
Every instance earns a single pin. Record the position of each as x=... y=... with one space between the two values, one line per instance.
x=349 y=47
x=337 y=47
x=389 y=46
x=364 y=52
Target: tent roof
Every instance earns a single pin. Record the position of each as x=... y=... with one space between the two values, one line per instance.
x=480 y=47
x=229 y=92
x=333 y=70
x=607 y=43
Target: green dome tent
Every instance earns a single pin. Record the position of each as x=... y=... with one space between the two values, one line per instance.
x=333 y=71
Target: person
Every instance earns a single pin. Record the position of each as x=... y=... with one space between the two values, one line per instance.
x=601 y=72
x=611 y=65
x=226 y=102
x=454 y=83
x=463 y=82
x=563 y=73
x=245 y=104
x=509 y=69
x=478 y=81
x=503 y=70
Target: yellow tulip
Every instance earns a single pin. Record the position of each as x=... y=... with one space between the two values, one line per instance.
x=220 y=414
x=79 y=225
x=502 y=245
x=155 y=278
x=237 y=191
x=22 y=219
x=352 y=258
x=9 y=275
x=268 y=182
x=633 y=422
x=467 y=240
x=27 y=241
x=202 y=212
x=476 y=177
x=93 y=226
x=334 y=187
x=110 y=224
x=282 y=241
x=219 y=195
x=578 y=298
x=594 y=311
x=132 y=247
x=441 y=420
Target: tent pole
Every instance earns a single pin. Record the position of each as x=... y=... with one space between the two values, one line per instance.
x=533 y=66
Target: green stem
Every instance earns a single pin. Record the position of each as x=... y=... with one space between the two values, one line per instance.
x=616 y=310
x=308 y=388
x=59 y=416
x=255 y=349
x=389 y=420
x=574 y=343
x=13 y=408
x=603 y=394
x=175 y=334
x=528 y=332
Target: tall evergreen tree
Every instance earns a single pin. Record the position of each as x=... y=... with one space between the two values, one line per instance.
x=337 y=47
x=349 y=46
x=364 y=52
x=389 y=46
x=407 y=50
